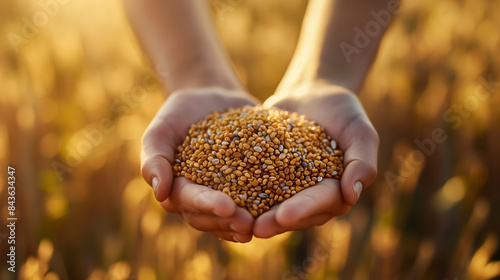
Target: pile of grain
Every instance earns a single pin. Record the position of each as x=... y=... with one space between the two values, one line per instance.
x=259 y=157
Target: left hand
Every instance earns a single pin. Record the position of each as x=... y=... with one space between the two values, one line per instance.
x=339 y=111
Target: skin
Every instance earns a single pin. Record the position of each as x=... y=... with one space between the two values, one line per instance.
x=320 y=83
x=203 y=208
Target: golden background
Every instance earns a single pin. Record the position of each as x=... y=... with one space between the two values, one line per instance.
x=77 y=95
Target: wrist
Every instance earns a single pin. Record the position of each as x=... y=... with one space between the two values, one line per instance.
x=201 y=68
x=313 y=72
x=199 y=77
x=303 y=85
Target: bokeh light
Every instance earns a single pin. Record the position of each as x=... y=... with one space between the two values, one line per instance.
x=71 y=119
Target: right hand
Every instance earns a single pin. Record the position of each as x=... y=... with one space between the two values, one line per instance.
x=203 y=208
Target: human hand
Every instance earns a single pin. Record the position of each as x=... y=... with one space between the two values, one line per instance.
x=203 y=208
x=339 y=111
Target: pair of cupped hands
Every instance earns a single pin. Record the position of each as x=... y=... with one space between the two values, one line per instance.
x=336 y=108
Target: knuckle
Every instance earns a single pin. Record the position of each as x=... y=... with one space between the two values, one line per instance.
x=344 y=210
x=362 y=128
x=170 y=207
x=371 y=172
x=339 y=210
x=146 y=166
x=374 y=135
x=148 y=162
x=370 y=132
x=188 y=217
x=201 y=199
x=148 y=133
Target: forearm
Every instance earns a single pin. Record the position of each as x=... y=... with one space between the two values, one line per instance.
x=327 y=49
x=179 y=38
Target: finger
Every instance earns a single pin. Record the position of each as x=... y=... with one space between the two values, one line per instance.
x=162 y=137
x=322 y=201
x=233 y=236
x=170 y=206
x=157 y=156
x=313 y=221
x=278 y=101
x=157 y=171
x=241 y=222
x=192 y=197
x=324 y=198
x=266 y=225
x=360 y=159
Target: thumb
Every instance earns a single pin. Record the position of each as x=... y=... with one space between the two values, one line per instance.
x=157 y=158
x=360 y=160
x=157 y=171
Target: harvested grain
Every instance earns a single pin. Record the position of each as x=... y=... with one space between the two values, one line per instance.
x=260 y=157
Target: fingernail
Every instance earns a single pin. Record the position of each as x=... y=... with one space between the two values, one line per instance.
x=231 y=226
x=358 y=187
x=216 y=213
x=156 y=181
x=235 y=239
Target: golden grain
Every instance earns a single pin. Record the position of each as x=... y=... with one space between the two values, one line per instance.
x=259 y=157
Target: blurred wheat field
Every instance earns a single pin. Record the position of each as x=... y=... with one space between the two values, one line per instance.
x=77 y=95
